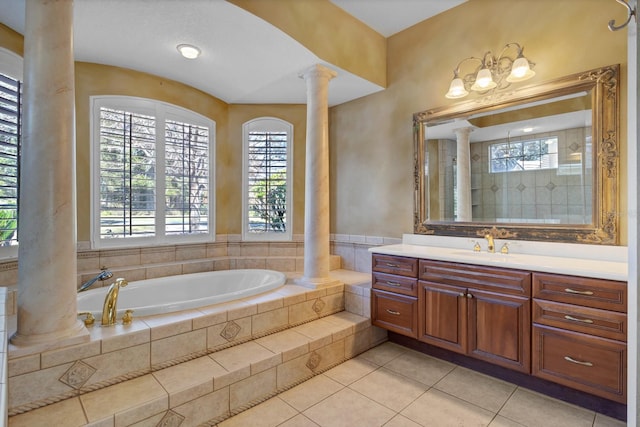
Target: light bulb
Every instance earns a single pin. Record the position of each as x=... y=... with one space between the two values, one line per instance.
x=188 y=51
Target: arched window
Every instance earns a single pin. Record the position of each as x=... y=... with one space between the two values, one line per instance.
x=267 y=179
x=152 y=171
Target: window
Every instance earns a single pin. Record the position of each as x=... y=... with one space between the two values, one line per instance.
x=10 y=142
x=152 y=172
x=533 y=154
x=267 y=188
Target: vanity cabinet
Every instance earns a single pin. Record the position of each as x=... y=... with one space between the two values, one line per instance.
x=394 y=302
x=580 y=333
x=482 y=312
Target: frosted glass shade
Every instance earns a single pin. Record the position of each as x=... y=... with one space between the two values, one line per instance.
x=520 y=71
x=456 y=89
x=484 y=81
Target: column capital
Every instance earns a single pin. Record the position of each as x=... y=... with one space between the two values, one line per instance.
x=318 y=71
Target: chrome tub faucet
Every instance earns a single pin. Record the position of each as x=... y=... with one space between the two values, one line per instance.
x=104 y=275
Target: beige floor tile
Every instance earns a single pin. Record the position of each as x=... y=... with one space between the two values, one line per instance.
x=347 y=408
x=190 y=379
x=481 y=390
x=350 y=371
x=66 y=413
x=533 y=409
x=291 y=344
x=310 y=392
x=420 y=367
x=298 y=421
x=500 y=421
x=384 y=353
x=270 y=413
x=437 y=409
x=401 y=421
x=604 y=421
x=389 y=389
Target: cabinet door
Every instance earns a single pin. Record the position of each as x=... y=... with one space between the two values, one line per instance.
x=499 y=329
x=442 y=314
x=394 y=312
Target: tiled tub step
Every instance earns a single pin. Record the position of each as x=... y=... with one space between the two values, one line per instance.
x=211 y=388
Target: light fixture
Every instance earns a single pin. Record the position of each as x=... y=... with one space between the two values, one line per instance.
x=188 y=51
x=491 y=73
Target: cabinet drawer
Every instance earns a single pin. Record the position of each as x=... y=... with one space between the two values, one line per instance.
x=398 y=284
x=395 y=265
x=595 y=293
x=397 y=313
x=602 y=323
x=587 y=363
x=514 y=282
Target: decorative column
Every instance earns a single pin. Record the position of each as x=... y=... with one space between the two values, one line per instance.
x=463 y=174
x=47 y=219
x=316 y=206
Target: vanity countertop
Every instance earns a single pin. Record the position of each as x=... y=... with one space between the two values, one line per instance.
x=585 y=267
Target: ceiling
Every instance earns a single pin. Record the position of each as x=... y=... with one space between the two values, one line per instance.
x=244 y=59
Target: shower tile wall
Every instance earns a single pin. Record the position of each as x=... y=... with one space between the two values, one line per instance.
x=560 y=195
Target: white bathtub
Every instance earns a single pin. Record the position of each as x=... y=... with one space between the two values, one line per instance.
x=175 y=293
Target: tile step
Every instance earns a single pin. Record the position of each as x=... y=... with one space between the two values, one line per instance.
x=211 y=388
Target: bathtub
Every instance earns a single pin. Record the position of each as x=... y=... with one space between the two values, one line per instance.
x=175 y=293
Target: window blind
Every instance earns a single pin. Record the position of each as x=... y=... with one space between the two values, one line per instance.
x=10 y=137
x=127 y=174
x=267 y=182
x=187 y=178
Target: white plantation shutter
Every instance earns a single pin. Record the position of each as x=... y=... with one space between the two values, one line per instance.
x=10 y=116
x=186 y=178
x=127 y=174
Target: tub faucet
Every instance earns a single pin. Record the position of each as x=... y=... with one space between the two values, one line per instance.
x=109 y=309
x=104 y=275
x=490 y=245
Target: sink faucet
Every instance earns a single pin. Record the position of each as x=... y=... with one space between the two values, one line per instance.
x=104 y=275
x=109 y=309
x=490 y=245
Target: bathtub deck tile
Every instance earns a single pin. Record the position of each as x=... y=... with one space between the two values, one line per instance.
x=241 y=355
x=178 y=346
x=166 y=325
x=119 y=336
x=266 y=302
x=238 y=309
x=292 y=294
x=69 y=354
x=210 y=315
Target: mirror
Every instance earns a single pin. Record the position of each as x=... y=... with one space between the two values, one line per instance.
x=537 y=163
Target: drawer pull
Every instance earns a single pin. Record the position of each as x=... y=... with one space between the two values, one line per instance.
x=577 y=362
x=575 y=319
x=392 y=265
x=573 y=291
x=462 y=294
x=395 y=284
x=395 y=313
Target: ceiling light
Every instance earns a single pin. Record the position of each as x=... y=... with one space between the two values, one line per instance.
x=527 y=130
x=492 y=72
x=188 y=51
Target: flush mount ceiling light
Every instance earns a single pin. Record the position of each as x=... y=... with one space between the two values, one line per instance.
x=492 y=72
x=188 y=51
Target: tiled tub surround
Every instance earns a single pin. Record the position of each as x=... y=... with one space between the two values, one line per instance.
x=155 y=343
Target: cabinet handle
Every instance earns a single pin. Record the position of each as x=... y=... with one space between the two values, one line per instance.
x=396 y=284
x=577 y=362
x=575 y=319
x=573 y=291
x=462 y=294
x=469 y=296
x=389 y=264
x=395 y=313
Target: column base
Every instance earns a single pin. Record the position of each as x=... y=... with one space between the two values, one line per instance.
x=316 y=282
x=77 y=334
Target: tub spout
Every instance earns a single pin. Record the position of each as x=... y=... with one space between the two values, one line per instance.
x=104 y=275
x=109 y=309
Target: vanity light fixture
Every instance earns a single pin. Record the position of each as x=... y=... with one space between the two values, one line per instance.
x=188 y=51
x=492 y=72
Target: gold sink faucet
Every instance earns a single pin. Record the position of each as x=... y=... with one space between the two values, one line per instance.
x=490 y=245
x=109 y=309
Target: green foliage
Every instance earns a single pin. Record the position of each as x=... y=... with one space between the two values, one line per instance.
x=271 y=201
x=8 y=226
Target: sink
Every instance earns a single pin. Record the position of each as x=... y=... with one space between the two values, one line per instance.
x=482 y=256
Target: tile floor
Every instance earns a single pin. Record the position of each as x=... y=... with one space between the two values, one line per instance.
x=393 y=386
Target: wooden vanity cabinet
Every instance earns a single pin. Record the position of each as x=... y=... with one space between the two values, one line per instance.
x=479 y=311
x=394 y=302
x=580 y=333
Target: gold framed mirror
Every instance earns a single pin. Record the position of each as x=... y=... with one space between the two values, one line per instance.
x=536 y=163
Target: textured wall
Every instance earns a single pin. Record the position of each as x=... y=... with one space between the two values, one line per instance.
x=371 y=138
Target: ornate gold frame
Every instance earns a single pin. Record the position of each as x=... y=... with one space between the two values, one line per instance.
x=604 y=84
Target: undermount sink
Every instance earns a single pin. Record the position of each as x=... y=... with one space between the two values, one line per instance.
x=488 y=256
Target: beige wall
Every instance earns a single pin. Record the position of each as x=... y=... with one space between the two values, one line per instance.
x=371 y=139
